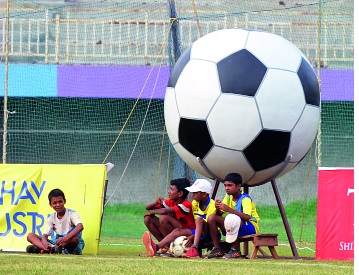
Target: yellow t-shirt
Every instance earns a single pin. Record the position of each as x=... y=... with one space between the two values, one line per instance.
x=248 y=207
x=209 y=210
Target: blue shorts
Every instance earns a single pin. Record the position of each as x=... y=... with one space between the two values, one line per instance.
x=246 y=229
x=77 y=250
x=207 y=238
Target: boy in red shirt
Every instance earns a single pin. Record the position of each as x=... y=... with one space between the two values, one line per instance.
x=175 y=218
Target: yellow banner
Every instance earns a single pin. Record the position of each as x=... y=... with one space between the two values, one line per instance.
x=24 y=204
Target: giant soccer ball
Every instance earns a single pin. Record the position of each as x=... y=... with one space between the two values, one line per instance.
x=245 y=101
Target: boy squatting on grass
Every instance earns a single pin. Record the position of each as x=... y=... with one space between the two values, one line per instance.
x=175 y=218
x=242 y=218
x=67 y=225
x=202 y=207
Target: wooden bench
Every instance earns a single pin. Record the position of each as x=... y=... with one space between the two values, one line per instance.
x=258 y=240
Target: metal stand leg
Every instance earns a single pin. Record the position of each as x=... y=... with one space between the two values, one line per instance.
x=215 y=189
x=285 y=220
x=245 y=244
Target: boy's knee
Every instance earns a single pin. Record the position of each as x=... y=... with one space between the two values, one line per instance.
x=30 y=236
x=199 y=221
x=211 y=219
x=148 y=220
x=165 y=218
x=75 y=240
x=176 y=233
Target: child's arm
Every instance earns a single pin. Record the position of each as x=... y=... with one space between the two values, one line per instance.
x=152 y=205
x=160 y=211
x=219 y=206
x=45 y=241
x=79 y=227
x=61 y=241
x=225 y=208
x=190 y=240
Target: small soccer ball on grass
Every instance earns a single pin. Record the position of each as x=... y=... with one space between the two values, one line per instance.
x=177 y=247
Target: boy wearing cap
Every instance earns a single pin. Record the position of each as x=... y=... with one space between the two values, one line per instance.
x=242 y=218
x=203 y=206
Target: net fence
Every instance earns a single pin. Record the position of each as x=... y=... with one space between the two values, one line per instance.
x=84 y=82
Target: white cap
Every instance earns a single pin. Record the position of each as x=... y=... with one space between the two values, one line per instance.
x=232 y=223
x=200 y=185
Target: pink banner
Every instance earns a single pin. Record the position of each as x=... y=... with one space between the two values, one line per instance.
x=335 y=215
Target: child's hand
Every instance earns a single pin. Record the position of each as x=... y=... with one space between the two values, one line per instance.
x=159 y=200
x=189 y=242
x=222 y=206
x=218 y=204
x=225 y=208
x=46 y=244
x=61 y=241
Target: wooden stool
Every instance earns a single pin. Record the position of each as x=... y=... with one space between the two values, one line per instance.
x=269 y=240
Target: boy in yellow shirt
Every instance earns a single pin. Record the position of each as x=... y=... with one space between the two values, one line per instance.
x=202 y=206
x=242 y=220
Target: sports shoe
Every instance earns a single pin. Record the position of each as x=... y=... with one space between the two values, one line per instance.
x=191 y=253
x=232 y=254
x=150 y=245
x=161 y=251
x=30 y=248
x=216 y=253
x=34 y=249
x=57 y=249
x=167 y=253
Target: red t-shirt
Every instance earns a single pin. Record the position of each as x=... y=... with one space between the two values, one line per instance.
x=183 y=212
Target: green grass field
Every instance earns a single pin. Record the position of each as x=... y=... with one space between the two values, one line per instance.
x=121 y=252
x=126 y=260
